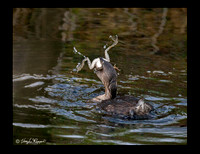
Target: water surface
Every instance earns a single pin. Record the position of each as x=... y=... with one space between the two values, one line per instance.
x=50 y=100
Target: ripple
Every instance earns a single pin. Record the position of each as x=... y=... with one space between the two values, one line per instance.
x=37 y=107
x=77 y=104
x=29 y=125
x=24 y=76
x=70 y=92
x=157 y=92
x=85 y=80
x=168 y=120
x=42 y=99
x=118 y=142
x=71 y=115
x=168 y=131
x=165 y=81
x=157 y=139
x=131 y=77
x=25 y=125
x=154 y=98
x=158 y=72
x=35 y=84
x=84 y=113
x=72 y=136
x=105 y=126
x=68 y=97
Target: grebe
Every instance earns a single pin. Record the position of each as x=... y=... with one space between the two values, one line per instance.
x=127 y=106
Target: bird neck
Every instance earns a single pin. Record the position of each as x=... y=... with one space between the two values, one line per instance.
x=110 y=90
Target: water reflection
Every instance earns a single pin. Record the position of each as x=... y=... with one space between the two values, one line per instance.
x=50 y=101
x=68 y=26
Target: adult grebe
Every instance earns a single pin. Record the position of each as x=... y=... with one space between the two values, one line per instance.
x=128 y=106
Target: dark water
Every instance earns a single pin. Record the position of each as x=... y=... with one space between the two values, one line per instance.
x=50 y=100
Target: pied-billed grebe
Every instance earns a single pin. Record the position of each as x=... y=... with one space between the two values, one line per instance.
x=127 y=106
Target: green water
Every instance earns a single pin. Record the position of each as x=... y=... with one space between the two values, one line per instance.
x=50 y=100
